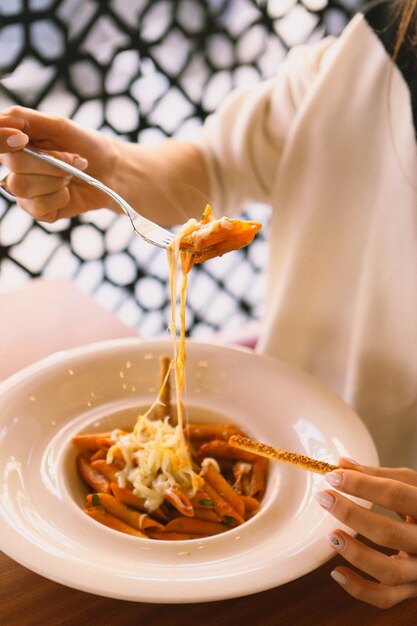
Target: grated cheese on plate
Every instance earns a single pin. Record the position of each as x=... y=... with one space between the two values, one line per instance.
x=155 y=461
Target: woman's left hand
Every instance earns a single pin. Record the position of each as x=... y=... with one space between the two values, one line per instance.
x=393 y=578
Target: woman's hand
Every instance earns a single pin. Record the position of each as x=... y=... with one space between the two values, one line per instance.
x=393 y=578
x=42 y=190
x=167 y=183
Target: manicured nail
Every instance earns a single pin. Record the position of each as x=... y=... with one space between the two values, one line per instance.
x=338 y=577
x=351 y=461
x=336 y=541
x=334 y=479
x=17 y=141
x=80 y=163
x=325 y=499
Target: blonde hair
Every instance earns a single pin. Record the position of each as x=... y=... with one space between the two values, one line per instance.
x=407 y=27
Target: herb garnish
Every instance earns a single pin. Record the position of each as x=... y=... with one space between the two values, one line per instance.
x=206 y=502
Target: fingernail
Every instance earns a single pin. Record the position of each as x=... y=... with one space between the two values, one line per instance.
x=334 y=479
x=336 y=541
x=338 y=577
x=17 y=141
x=325 y=499
x=80 y=163
x=351 y=461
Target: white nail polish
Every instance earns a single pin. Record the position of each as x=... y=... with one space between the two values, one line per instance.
x=326 y=500
x=338 y=577
x=334 y=479
x=17 y=141
x=336 y=541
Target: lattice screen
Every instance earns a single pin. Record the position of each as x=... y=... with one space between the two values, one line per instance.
x=142 y=70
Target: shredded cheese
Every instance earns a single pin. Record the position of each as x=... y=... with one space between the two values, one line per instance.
x=155 y=461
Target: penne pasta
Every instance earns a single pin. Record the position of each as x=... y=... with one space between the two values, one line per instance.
x=227 y=514
x=202 y=500
x=251 y=505
x=211 y=431
x=223 y=488
x=222 y=450
x=98 y=454
x=210 y=237
x=230 y=491
x=206 y=514
x=137 y=520
x=108 y=470
x=174 y=536
x=257 y=482
x=179 y=500
x=109 y=520
x=92 y=442
x=91 y=476
x=195 y=526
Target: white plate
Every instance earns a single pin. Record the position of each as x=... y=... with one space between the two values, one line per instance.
x=43 y=527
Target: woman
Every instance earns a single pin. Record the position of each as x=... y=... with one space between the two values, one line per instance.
x=330 y=144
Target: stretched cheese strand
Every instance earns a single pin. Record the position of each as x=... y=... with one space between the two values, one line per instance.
x=173 y=252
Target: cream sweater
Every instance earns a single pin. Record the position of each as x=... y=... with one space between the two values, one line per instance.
x=329 y=143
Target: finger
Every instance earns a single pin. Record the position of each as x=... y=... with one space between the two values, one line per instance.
x=11 y=120
x=11 y=140
x=391 y=494
x=405 y=474
x=29 y=186
x=46 y=208
x=388 y=570
x=377 y=594
x=380 y=529
x=21 y=163
x=38 y=126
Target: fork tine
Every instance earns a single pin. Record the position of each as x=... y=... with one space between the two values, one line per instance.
x=151 y=232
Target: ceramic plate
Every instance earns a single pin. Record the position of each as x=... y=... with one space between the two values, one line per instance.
x=96 y=387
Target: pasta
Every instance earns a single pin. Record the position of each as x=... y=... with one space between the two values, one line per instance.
x=216 y=501
x=142 y=484
x=166 y=479
x=210 y=237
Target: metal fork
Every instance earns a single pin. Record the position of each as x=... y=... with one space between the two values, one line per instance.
x=148 y=230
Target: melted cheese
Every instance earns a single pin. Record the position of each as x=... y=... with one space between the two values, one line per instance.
x=155 y=461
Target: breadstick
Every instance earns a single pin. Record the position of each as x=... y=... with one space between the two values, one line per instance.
x=262 y=449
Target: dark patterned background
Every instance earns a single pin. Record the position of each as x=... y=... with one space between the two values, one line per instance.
x=143 y=70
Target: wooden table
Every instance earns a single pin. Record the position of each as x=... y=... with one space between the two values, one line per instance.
x=47 y=316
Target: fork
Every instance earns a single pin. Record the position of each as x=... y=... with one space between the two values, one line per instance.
x=148 y=230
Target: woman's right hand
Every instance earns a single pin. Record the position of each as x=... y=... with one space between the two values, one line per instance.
x=42 y=190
